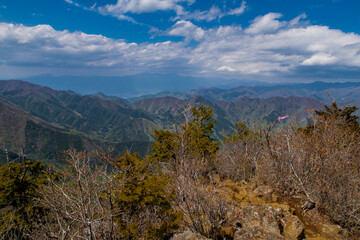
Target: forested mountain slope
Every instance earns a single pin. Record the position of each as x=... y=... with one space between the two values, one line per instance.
x=343 y=93
x=47 y=121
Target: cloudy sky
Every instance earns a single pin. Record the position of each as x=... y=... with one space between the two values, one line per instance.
x=277 y=40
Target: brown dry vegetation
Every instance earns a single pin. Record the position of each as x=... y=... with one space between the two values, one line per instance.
x=176 y=187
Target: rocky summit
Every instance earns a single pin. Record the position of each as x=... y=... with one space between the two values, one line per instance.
x=259 y=213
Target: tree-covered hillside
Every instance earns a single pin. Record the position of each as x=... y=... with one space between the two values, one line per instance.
x=259 y=183
x=47 y=122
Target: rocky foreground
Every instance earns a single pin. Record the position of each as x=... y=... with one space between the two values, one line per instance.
x=258 y=213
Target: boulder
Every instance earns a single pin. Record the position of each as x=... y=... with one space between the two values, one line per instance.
x=187 y=235
x=255 y=221
x=293 y=228
x=334 y=231
x=256 y=233
x=257 y=215
x=263 y=190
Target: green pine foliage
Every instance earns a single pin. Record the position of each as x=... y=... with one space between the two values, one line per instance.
x=200 y=129
x=164 y=147
x=343 y=116
x=19 y=187
x=143 y=200
x=242 y=133
x=194 y=138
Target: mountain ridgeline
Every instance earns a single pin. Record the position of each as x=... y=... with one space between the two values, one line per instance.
x=343 y=93
x=47 y=122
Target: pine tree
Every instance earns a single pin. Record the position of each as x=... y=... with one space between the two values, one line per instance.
x=19 y=187
x=344 y=117
x=194 y=138
x=143 y=200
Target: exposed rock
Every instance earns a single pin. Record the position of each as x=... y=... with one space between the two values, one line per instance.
x=261 y=214
x=333 y=230
x=227 y=231
x=263 y=191
x=256 y=233
x=293 y=228
x=257 y=215
x=187 y=235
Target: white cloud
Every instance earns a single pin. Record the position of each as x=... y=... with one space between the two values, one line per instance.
x=265 y=24
x=122 y=8
x=320 y=59
x=226 y=69
x=213 y=13
x=284 y=48
x=187 y=30
x=289 y=46
x=140 y=6
x=238 y=11
x=209 y=15
x=43 y=46
x=297 y=20
x=72 y=2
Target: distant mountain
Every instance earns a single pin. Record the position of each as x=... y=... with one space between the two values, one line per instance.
x=43 y=140
x=48 y=122
x=132 y=85
x=106 y=118
x=250 y=111
x=343 y=93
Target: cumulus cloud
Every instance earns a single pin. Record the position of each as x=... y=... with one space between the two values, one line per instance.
x=282 y=51
x=267 y=47
x=265 y=24
x=41 y=45
x=320 y=59
x=187 y=30
x=226 y=69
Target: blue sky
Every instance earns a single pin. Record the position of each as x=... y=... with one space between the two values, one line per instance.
x=262 y=40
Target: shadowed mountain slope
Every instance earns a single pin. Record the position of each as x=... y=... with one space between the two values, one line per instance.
x=110 y=119
x=43 y=140
x=47 y=121
x=250 y=111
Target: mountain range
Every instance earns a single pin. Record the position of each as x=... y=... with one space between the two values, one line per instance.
x=132 y=85
x=343 y=93
x=47 y=121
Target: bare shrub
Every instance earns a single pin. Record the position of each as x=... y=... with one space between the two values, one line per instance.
x=239 y=154
x=80 y=201
x=322 y=162
x=187 y=156
x=204 y=209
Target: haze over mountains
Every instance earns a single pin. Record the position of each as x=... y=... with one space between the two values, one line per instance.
x=132 y=85
x=47 y=121
x=343 y=93
x=140 y=86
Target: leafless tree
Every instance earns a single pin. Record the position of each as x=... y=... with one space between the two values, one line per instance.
x=80 y=200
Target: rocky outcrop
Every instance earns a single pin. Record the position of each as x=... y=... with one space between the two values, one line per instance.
x=293 y=228
x=258 y=213
x=187 y=235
